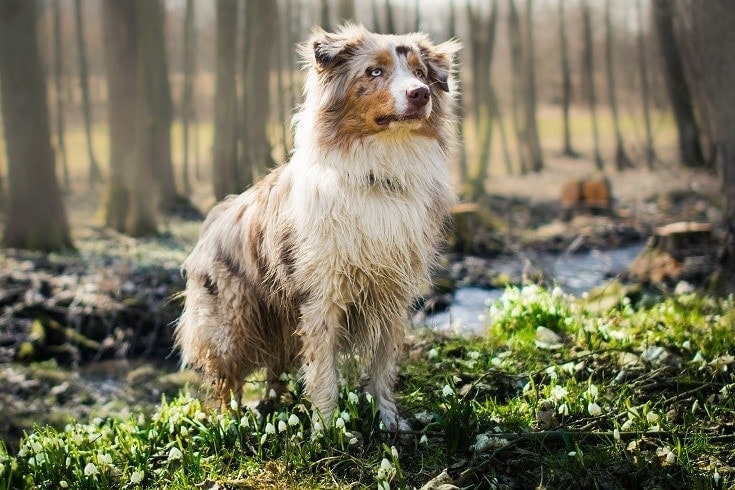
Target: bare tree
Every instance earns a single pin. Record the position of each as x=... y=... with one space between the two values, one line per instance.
x=118 y=20
x=690 y=149
x=346 y=10
x=36 y=218
x=262 y=26
x=589 y=79
x=622 y=161
x=187 y=97
x=713 y=37
x=518 y=79
x=94 y=174
x=324 y=17
x=650 y=152
x=566 y=83
x=58 y=92
x=224 y=149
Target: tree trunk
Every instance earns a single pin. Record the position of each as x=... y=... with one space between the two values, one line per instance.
x=94 y=174
x=713 y=37
x=589 y=79
x=650 y=153
x=118 y=20
x=690 y=150
x=58 y=94
x=566 y=84
x=35 y=216
x=324 y=19
x=157 y=99
x=346 y=10
x=390 y=22
x=224 y=148
x=622 y=161
x=261 y=31
x=462 y=157
x=533 y=144
x=187 y=98
x=518 y=80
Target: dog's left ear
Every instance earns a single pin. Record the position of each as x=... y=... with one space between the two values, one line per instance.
x=440 y=60
x=327 y=49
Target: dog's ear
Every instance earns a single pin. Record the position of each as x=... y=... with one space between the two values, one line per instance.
x=326 y=49
x=440 y=60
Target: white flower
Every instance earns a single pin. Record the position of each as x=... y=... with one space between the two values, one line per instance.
x=339 y=423
x=136 y=477
x=283 y=377
x=353 y=398
x=572 y=453
x=394 y=452
x=293 y=419
x=433 y=354
x=282 y=426
x=233 y=404
x=272 y=394
x=369 y=397
x=424 y=417
x=244 y=421
x=652 y=417
x=563 y=409
x=386 y=465
x=558 y=392
x=616 y=434
x=104 y=459
x=91 y=470
x=37 y=448
x=447 y=391
x=424 y=439
x=263 y=438
x=62 y=483
x=594 y=409
x=593 y=390
x=353 y=441
x=270 y=428
x=345 y=415
x=474 y=355
x=174 y=454
x=383 y=485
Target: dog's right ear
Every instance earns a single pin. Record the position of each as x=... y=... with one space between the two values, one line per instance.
x=326 y=49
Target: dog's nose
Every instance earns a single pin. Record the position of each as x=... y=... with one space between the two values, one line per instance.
x=418 y=97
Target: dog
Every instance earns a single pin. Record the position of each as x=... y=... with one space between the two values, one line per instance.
x=324 y=255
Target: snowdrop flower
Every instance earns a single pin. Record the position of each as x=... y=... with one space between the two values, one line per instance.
x=594 y=409
x=270 y=428
x=353 y=398
x=558 y=392
x=345 y=415
x=386 y=465
x=282 y=426
x=447 y=391
x=339 y=423
x=283 y=377
x=105 y=459
x=136 y=477
x=652 y=417
x=263 y=438
x=572 y=453
x=272 y=394
x=244 y=421
x=174 y=454
x=616 y=434
x=233 y=404
x=293 y=420
x=433 y=354
x=353 y=441
x=424 y=439
x=383 y=485
x=64 y=484
x=474 y=355
x=91 y=470
x=369 y=397
x=593 y=391
x=394 y=452
x=563 y=409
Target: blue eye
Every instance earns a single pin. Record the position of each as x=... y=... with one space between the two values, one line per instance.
x=376 y=72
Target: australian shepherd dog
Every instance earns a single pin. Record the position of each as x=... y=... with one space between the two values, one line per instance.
x=323 y=256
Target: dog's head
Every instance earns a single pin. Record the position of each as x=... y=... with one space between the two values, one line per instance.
x=361 y=83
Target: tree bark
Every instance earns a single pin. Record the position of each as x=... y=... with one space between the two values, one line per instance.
x=36 y=218
x=713 y=37
x=94 y=175
x=518 y=80
x=589 y=79
x=690 y=150
x=622 y=161
x=650 y=152
x=187 y=98
x=566 y=84
x=58 y=94
x=262 y=27
x=224 y=148
x=532 y=142
x=346 y=10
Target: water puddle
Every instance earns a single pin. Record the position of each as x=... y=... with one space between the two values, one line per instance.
x=574 y=273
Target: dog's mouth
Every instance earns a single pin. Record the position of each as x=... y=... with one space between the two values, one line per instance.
x=389 y=118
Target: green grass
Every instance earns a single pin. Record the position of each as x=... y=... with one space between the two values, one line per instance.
x=637 y=396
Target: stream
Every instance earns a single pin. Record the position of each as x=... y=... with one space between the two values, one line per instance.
x=574 y=273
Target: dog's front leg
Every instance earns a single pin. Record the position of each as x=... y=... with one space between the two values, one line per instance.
x=319 y=350
x=383 y=372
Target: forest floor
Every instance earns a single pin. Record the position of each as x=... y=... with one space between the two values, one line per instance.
x=503 y=383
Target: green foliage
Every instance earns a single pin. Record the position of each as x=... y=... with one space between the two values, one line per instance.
x=640 y=395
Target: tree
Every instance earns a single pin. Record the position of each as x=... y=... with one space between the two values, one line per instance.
x=566 y=84
x=650 y=152
x=58 y=91
x=346 y=10
x=36 y=218
x=261 y=17
x=589 y=79
x=224 y=148
x=622 y=161
x=690 y=150
x=118 y=20
x=713 y=37
x=187 y=97
x=94 y=174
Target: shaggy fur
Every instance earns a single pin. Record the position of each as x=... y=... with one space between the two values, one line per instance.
x=325 y=254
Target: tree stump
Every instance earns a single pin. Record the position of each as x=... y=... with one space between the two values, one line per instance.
x=676 y=252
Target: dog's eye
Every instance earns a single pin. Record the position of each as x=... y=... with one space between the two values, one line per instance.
x=420 y=73
x=375 y=72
